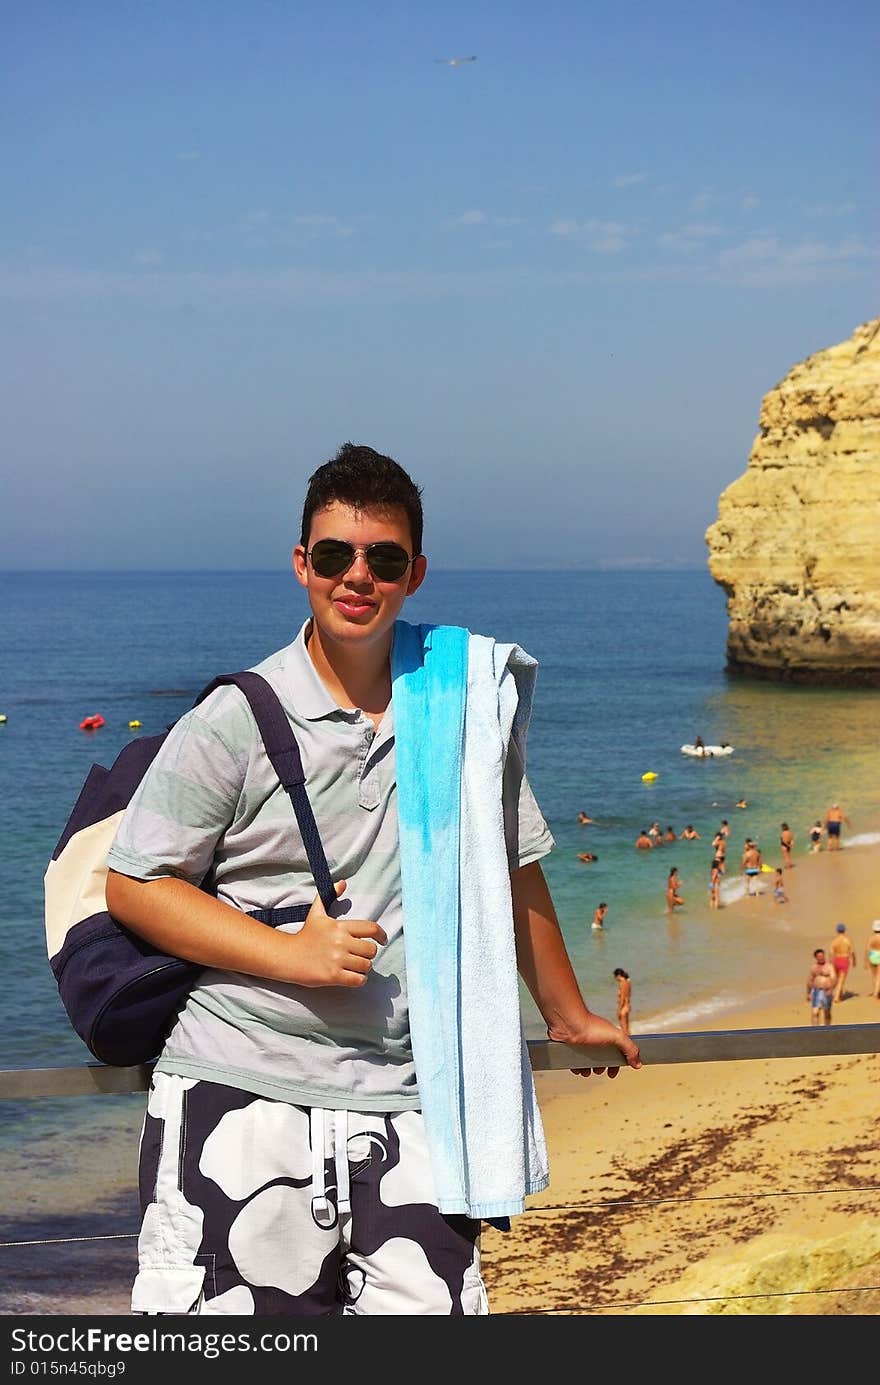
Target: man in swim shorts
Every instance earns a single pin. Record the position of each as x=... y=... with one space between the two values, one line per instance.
x=751 y=864
x=834 y=820
x=820 y=988
x=843 y=956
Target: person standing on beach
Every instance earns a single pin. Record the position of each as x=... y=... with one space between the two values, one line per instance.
x=674 y=899
x=843 y=956
x=834 y=820
x=816 y=834
x=786 y=842
x=294 y=1067
x=751 y=864
x=820 y=988
x=719 y=847
x=715 y=877
x=872 y=958
x=624 y=998
x=779 y=887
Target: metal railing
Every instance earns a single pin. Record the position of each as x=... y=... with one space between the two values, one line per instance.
x=699 y=1046
x=709 y=1046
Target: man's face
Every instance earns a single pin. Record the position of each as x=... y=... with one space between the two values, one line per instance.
x=356 y=607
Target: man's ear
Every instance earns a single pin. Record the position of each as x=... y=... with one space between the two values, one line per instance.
x=300 y=563
x=417 y=574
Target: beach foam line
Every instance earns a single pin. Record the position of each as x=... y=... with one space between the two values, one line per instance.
x=863 y=839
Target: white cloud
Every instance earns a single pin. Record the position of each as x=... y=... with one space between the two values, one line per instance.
x=564 y=227
x=148 y=257
x=690 y=238
x=604 y=237
x=474 y=218
x=628 y=180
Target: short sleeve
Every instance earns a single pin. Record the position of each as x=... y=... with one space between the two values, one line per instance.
x=526 y=834
x=183 y=805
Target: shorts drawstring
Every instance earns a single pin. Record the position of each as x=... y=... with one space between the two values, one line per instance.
x=323 y=1209
x=343 y=1186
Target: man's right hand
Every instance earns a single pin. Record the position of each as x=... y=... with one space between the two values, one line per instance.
x=334 y=951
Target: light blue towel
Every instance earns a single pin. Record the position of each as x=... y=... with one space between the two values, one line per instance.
x=458 y=700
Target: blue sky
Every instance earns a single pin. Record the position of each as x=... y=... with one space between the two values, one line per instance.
x=554 y=282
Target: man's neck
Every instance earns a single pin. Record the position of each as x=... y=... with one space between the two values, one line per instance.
x=354 y=676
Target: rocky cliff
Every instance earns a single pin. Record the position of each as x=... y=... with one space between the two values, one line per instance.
x=796 y=545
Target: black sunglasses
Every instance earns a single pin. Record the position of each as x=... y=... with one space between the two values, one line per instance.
x=386 y=561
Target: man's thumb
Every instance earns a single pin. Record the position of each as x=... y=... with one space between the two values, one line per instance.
x=318 y=904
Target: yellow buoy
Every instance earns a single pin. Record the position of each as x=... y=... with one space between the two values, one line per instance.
x=2 y=718
x=768 y=870
x=133 y=725
x=649 y=776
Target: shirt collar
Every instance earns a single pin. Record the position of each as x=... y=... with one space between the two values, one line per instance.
x=305 y=688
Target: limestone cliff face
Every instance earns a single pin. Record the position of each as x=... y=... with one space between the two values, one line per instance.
x=796 y=545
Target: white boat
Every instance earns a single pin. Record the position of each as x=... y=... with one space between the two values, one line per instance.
x=706 y=752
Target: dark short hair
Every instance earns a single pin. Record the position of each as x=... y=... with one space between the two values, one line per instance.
x=364 y=480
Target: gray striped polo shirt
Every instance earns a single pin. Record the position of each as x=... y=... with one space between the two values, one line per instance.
x=210 y=801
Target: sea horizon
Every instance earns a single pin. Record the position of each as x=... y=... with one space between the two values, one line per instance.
x=630 y=667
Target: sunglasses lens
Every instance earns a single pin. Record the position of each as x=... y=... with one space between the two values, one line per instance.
x=388 y=561
x=331 y=556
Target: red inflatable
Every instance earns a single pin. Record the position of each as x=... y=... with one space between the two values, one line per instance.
x=91 y=723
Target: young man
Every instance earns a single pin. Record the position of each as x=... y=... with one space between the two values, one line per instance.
x=312 y=1142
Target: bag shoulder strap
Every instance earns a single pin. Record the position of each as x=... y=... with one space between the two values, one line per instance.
x=283 y=752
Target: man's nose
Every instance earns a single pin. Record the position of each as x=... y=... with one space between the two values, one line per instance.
x=360 y=568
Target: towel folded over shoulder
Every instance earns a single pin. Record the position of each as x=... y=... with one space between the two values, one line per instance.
x=459 y=699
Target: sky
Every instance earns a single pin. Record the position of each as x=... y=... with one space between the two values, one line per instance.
x=554 y=282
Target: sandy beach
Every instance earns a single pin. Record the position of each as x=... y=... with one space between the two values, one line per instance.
x=705 y=1188
x=737 y=1187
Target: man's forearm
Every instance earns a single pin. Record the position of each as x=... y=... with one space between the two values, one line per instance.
x=541 y=955
x=184 y=921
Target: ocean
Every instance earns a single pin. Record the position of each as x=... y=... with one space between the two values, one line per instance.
x=631 y=666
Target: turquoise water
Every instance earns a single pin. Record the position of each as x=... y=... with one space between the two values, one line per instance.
x=631 y=667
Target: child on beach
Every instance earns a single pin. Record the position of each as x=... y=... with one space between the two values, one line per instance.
x=624 y=998
x=779 y=888
x=816 y=834
x=673 y=885
x=715 y=883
